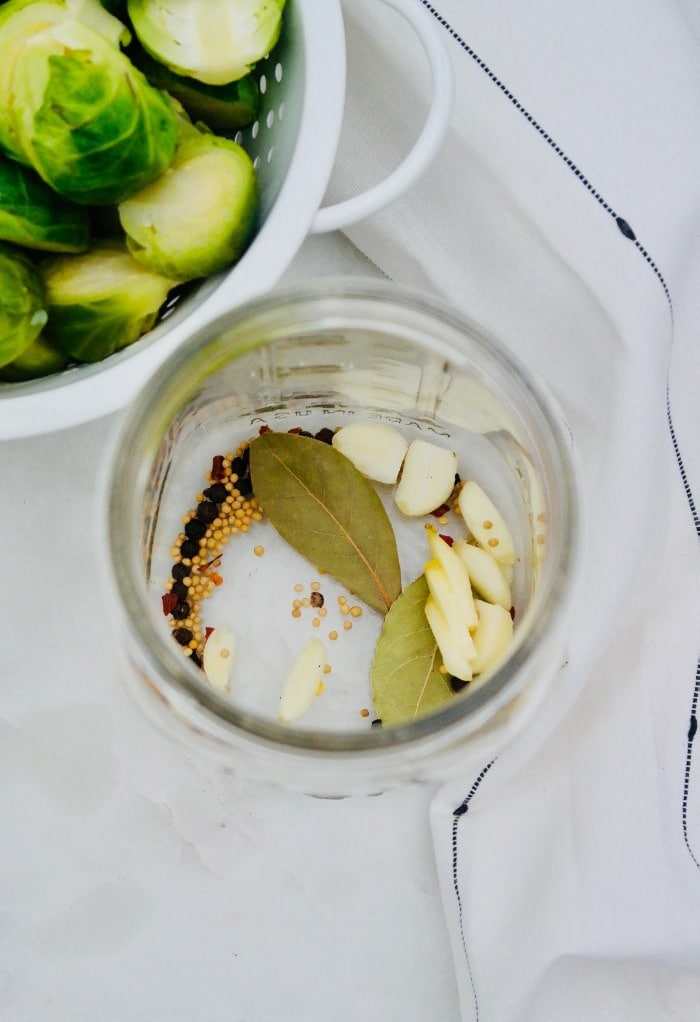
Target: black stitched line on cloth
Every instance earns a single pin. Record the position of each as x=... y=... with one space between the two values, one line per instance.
x=457 y=815
x=692 y=729
x=622 y=224
x=627 y=232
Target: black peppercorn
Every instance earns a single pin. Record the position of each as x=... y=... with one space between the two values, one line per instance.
x=195 y=529
x=456 y=684
x=182 y=635
x=325 y=435
x=217 y=493
x=196 y=659
x=180 y=610
x=189 y=547
x=240 y=466
x=179 y=571
x=207 y=512
x=180 y=590
x=244 y=487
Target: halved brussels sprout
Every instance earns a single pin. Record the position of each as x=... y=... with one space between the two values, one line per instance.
x=102 y=18
x=86 y=119
x=41 y=358
x=100 y=301
x=223 y=108
x=198 y=217
x=22 y=303
x=216 y=42
x=33 y=215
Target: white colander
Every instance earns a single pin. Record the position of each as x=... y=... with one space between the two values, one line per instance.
x=293 y=144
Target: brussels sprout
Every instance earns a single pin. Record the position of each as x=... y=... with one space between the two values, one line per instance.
x=22 y=303
x=86 y=119
x=41 y=358
x=102 y=18
x=33 y=215
x=216 y=42
x=223 y=108
x=100 y=301
x=19 y=21
x=198 y=217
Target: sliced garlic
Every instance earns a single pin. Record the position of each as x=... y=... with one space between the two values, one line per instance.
x=486 y=523
x=457 y=576
x=456 y=648
x=427 y=478
x=218 y=659
x=375 y=449
x=491 y=636
x=304 y=681
x=486 y=574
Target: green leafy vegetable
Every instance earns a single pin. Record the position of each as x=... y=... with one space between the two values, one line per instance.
x=85 y=118
x=215 y=42
x=318 y=501
x=406 y=678
x=41 y=358
x=223 y=108
x=22 y=304
x=100 y=301
x=33 y=215
x=198 y=218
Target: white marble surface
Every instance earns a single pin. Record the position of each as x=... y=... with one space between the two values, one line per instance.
x=136 y=885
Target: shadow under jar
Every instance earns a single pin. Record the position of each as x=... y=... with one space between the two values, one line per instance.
x=318 y=358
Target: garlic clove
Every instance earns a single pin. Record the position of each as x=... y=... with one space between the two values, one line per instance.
x=486 y=574
x=453 y=650
x=218 y=658
x=443 y=595
x=492 y=635
x=457 y=576
x=486 y=523
x=427 y=478
x=303 y=682
x=375 y=449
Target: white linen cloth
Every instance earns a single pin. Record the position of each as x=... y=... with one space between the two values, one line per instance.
x=564 y=214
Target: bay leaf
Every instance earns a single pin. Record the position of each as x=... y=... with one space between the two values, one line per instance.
x=406 y=677
x=322 y=506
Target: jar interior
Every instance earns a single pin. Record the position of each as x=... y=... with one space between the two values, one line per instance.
x=428 y=380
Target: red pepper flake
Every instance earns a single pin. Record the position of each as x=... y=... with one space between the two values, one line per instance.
x=448 y=539
x=295 y=429
x=440 y=511
x=207 y=632
x=170 y=602
x=217 y=467
x=264 y=429
x=216 y=579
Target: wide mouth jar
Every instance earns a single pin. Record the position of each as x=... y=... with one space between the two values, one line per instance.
x=319 y=357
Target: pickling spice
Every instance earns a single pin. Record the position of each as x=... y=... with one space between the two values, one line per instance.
x=225 y=507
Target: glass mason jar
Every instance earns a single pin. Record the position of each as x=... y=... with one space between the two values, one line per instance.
x=313 y=357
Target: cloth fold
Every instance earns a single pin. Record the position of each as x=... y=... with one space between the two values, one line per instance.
x=563 y=213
